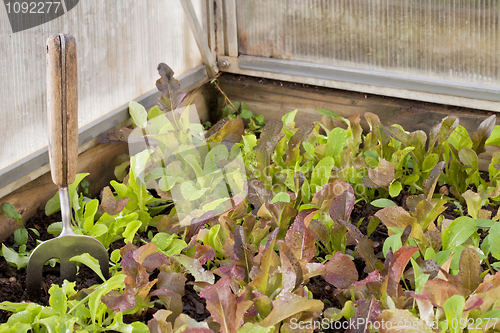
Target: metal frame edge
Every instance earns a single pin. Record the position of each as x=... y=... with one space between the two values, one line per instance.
x=474 y=96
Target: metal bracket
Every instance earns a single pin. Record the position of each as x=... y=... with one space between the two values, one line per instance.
x=200 y=39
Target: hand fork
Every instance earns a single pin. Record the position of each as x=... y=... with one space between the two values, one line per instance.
x=62 y=107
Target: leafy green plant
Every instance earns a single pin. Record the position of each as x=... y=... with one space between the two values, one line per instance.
x=136 y=295
x=67 y=313
x=454 y=302
x=107 y=222
x=172 y=155
x=255 y=123
x=460 y=152
x=19 y=258
x=20 y=234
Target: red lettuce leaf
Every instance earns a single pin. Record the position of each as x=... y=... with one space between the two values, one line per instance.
x=119 y=302
x=396 y=317
x=271 y=135
x=109 y=204
x=155 y=260
x=288 y=305
x=291 y=271
x=342 y=206
x=383 y=174
x=172 y=281
x=204 y=253
x=367 y=312
x=400 y=259
x=439 y=133
x=242 y=254
x=469 y=274
x=482 y=134
x=438 y=291
x=300 y=240
x=431 y=181
x=171 y=300
x=171 y=95
x=258 y=194
x=223 y=305
x=341 y=271
x=323 y=198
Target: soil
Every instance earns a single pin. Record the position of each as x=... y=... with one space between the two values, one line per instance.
x=194 y=305
x=323 y=291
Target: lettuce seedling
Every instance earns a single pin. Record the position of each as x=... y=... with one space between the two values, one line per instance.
x=136 y=265
x=19 y=258
x=379 y=290
x=225 y=308
x=460 y=152
x=420 y=219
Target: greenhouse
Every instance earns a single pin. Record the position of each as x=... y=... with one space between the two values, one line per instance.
x=250 y=166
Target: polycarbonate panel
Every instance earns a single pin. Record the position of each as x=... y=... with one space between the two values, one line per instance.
x=119 y=46
x=456 y=40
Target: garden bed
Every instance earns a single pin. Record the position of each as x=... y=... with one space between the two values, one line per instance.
x=276 y=227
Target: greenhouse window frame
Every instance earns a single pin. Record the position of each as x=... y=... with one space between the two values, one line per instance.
x=422 y=89
x=418 y=88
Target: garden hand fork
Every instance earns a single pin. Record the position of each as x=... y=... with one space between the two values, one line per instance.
x=62 y=108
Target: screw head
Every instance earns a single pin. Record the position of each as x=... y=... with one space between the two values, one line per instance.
x=223 y=63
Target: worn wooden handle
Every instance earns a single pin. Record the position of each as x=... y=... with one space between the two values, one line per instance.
x=62 y=108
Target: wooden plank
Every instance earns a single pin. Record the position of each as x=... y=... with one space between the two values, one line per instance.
x=211 y=26
x=202 y=98
x=273 y=99
x=231 y=27
x=200 y=38
x=219 y=28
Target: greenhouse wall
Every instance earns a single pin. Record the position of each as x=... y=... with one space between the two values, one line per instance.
x=430 y=50
x=451 y=40
x=119 y=45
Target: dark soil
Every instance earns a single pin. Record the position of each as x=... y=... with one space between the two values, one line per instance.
x=194 y=305
x=323 y=291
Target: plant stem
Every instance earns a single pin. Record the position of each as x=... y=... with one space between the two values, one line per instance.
x=404 y=282
x=418 y=188
x=225 y=96
x=490 y=268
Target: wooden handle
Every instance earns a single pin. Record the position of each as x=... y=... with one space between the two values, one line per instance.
x=62 y=108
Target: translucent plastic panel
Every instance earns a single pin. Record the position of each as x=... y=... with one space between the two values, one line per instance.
x=119 y=46
x=455 y=40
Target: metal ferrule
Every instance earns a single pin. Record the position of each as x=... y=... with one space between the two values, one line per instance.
x=65 y=211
